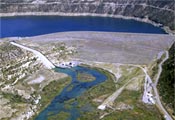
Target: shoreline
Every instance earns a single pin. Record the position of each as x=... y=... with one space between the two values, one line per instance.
x=146 y=20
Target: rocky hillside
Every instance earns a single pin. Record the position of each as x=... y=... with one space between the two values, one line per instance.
x=22 y=78
x=159 y=11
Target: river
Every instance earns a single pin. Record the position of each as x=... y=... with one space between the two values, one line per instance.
x=73 y=90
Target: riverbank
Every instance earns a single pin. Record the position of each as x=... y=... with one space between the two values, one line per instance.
x=124 y=105
x=146 y=20
x=49 y=92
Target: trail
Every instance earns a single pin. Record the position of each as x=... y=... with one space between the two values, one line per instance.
x=110 y=100
x=148 y=87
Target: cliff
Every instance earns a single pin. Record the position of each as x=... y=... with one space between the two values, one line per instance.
x=159 y=11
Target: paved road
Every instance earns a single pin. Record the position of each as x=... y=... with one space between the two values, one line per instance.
x=158 y=102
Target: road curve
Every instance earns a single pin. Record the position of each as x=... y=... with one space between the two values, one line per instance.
x=158 y=102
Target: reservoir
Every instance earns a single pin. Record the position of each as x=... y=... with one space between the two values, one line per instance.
x=24 y=26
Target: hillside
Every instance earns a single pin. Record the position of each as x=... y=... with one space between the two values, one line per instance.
x=166 y=83
x=159 y=11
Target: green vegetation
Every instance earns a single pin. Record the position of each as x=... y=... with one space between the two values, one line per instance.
x=84 y=77
x=86 y=100
x=54 y=88
x=105 y=88
x=129 y=97
x=5 y=118
x=128 y=73
x=50 y=91
x=14 y=98
x=6 y=47
x=172 y=27
x=15 y=70
x=139 y=111
x=61 y=116
x=154 y=70
x=166 y=83
x=59 y=47
x=9 y=53
x=62 y=50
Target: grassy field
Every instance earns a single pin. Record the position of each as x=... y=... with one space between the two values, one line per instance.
x=140 y=111
x=105 y=88
x=137 y=110
x=60 y=116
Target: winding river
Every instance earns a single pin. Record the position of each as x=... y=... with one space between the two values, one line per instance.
x=73 y=90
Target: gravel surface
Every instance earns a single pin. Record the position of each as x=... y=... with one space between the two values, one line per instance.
x=111 y=47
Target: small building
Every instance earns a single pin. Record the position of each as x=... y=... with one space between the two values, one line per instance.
x=102 y=107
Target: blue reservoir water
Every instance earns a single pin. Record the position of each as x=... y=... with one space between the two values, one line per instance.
x=73 y=90
x=37 y=25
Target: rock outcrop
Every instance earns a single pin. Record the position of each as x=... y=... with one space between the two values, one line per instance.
x=9 y=53
x=159 y=11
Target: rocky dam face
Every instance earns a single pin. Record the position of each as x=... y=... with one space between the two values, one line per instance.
x=158 y=11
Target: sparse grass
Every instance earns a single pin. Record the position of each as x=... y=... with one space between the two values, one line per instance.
x=60 y=116
x=53 y=89
x=140 y=111
x=140 y=114
x=107 y=87
x=5 y=118
x=132 y=98
x=6 y=47
x=14 y=98
x=84 y=77
x=128 y=74
x=50 y=91
x=154 y=72
x=129 y=97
